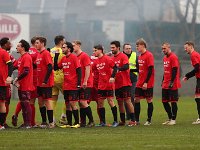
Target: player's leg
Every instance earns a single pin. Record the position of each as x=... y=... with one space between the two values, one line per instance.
x=197 y=99
x=139 y=94
x=2 y=107
x=102 y=111
x=113 y=107
x=166 y=105
x=55 y=93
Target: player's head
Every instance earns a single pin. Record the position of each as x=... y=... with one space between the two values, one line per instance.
x=76 y=45
x=189 y=47
x=98 y=50
x=5 y=43
x=33 y=40
x=22 y=46
x=40 y=43
x=115 y=47
x=127 y=48
x=166 y=48
x=59 y=40
x=141 y=45
x=67 y=48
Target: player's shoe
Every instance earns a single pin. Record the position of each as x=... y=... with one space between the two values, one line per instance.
x=14 y=120
x=172 y=122
x=147 y=123
x=2 y=127
x=52 y=125
x=122 y=123
x=197 y=121
x=115 y=124
x=100 y=125
x=63 y=120
x=131 y=123
x=66 y=126
x=23 y=126
x=90 y=124
x=76 y=126
x=166 y=122
x=43 y=125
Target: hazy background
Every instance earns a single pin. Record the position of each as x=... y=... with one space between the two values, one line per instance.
x=101 y=21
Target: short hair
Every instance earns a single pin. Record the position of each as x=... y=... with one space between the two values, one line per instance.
x=25 y=45
x=42 y=40
x=3 y=41
x=99 y=47
x=33 y=39
x=58 y=39
x=70 y=46
x=126 y=44
x=166 y=43
x=77 y=42
x=116 y=43
x=190 y=43
x=141 y=41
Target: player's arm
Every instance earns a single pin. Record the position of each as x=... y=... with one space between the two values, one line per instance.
x=56 y=66
x=114 y=72
x=124 y=67
x=78 y=72
x=150 y=71
x=87 y=74
x=24 y=73
x=10 y=68
x=192 y=73
x=49 y=71
x=174 y=73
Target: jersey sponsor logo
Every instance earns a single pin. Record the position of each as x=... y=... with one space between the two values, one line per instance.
x=9 y=27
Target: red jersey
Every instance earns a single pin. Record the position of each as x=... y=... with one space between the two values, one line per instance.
x=26 y=83
x=122 y=78
x=95 y=72
x=104 y=66
x=4 y=59
x=195 y=59
x=145 y=60
x=43 y=59
x=84 y=60
x=170 y=62
x=34 y=52
x=69 y=64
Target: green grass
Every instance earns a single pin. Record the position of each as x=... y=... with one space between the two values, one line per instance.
x=183 y=135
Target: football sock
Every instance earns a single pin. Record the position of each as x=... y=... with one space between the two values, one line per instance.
x=114 y=112
x=18 y=109
x=76 y=116
x=2 y=118
x=174 y=110
x=32 y=114
x=102 y=114
x=89 y=114
x=137 y=112
x=26 y=112
x=69 y=117
x=54 y=102
x=99 y=115
x=50 y=115
x=43 y=113
x=83 y=116
x=7 y=110
x=150 y=111
x=132 y=116
x=122 y=117
x=168 y=109
x=198 y=105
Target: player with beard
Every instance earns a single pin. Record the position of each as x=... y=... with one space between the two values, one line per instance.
x=72 y=82
x=195 y=61
x=122 y=83
x=5 y=79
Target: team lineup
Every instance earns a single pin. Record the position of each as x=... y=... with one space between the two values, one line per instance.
x=81 y=79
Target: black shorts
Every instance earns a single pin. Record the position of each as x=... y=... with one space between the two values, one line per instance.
x=169 y=95
x=144 y=94
x=44 y=92
x=24 y=95
x=197 y=91
x=3 y=91
x=103 y=94
x=85 y=94
x=70 y=95
x=123 y=93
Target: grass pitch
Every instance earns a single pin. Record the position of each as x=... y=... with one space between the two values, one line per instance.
x=183 y=135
